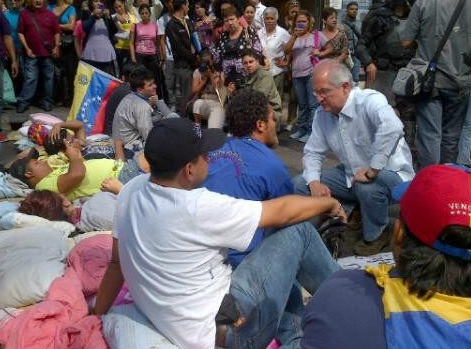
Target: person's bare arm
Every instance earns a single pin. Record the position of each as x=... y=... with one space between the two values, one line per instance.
x=111 y=283
x=292 y=209
x=132 y=38
x=75 y=125
x=10 y=48
x=76 y=173
x=119 y=150
x=198 y=84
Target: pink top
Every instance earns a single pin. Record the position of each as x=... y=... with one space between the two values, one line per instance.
x=145 y=38
x=78 y=32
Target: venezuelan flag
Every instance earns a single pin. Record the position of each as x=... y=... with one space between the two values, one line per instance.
x=93 y=87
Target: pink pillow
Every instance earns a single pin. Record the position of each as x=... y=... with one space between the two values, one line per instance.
x=45 y=119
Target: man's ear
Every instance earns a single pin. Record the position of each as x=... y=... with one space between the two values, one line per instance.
x=29 y=174
x=261 y=126
x=398 y=235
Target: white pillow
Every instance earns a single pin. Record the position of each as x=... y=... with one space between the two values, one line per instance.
x=30 y=259
x=124 y=327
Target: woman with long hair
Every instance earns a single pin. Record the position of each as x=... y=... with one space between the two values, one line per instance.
x=100 y=29
x=124 y=20
x=146 y=48
x=301 y=46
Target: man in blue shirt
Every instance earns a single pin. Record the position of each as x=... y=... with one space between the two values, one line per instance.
x=246 y=167
x=367 y=137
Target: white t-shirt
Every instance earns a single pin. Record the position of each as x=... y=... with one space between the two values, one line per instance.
x=172 y=248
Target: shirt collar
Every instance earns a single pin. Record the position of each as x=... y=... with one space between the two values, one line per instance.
x=348 y=109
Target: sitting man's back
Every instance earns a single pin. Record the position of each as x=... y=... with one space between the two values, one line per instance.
x=422 y=302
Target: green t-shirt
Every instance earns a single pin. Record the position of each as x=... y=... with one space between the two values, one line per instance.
x=96 y=171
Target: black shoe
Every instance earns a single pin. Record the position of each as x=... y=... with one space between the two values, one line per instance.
x=46 y=107
x=21 y=108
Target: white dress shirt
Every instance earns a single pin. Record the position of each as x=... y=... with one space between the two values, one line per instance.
x=366 y=133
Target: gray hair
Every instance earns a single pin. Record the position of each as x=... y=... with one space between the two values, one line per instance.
x=271 y=11
x=337 y=73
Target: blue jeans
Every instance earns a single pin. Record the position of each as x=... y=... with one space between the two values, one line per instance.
x=262 y=283
x=307 y=103
x=464 y=145
x=374 y=198
x=33 y=66
x=356 y=69
x=439 y=122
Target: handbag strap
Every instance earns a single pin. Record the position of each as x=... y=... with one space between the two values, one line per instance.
x=447 y=33
x=38 y=28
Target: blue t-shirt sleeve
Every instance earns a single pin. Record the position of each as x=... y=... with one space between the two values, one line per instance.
x=345 y=312
x=69 y=12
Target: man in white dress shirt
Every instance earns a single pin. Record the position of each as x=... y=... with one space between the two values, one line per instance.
x=367 y=137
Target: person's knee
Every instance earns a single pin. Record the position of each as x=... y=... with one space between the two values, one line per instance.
x=300 y=185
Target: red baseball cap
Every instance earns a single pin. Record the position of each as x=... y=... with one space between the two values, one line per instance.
x=438 y=196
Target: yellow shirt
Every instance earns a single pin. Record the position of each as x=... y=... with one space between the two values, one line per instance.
x=123 y=44
x=96 y=171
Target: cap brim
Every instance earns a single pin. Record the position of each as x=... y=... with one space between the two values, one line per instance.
x=213 y=139
x=18 y=168
x=399 y=190
x=33 y=154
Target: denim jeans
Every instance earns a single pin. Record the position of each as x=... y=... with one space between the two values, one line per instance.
x=464 y=145
x=374 y=198
x=307 y=102
x=261 y=285
x=34 y=66
x=439 y=122
x=356 y=69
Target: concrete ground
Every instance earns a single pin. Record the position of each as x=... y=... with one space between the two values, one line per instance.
x=289 y=150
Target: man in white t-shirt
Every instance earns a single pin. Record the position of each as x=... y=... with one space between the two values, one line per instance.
x=171 y=240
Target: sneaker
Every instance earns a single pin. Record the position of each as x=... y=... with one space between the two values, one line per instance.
x=381 y=244
x=304 y=138
x=46 y=107
x=21 y=108
x=3 y=137
x=297 y=135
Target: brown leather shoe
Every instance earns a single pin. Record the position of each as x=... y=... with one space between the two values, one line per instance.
x=354 y=220
x=381 y=244
x=221 y=332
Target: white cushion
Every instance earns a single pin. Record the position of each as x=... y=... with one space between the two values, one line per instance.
x=30 y=259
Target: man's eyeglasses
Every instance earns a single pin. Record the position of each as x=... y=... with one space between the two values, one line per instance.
x=322 y=92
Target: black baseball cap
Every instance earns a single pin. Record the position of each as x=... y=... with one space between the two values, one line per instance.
x=19 y=167
x=173 y=142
